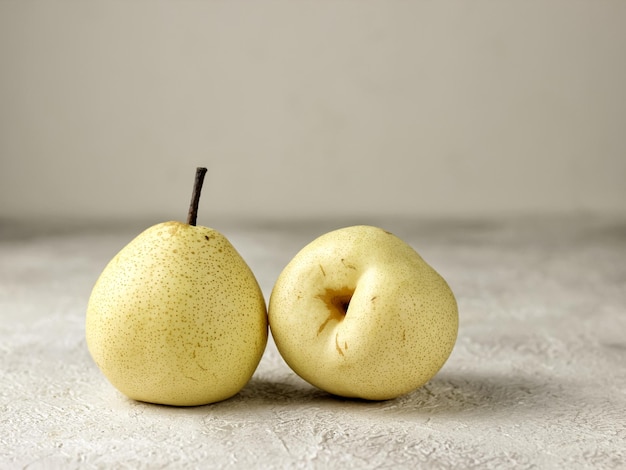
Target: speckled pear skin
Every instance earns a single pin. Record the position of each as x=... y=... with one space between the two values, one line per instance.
x=400 y=325
x=177 y=317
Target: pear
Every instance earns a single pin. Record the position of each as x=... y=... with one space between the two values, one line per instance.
x=358 y=313
x=177 y=316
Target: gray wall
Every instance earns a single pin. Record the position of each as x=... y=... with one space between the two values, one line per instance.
x=309 y=108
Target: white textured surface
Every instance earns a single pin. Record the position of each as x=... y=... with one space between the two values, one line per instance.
x=537 y=378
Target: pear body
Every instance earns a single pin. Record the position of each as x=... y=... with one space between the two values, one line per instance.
x=177 y=317
x=358 y=313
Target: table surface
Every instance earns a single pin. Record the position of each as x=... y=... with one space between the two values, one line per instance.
x=537 y=378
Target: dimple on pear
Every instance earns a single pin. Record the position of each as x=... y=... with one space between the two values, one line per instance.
x=177 y=317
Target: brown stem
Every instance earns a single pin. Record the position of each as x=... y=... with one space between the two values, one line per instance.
x=192 y=215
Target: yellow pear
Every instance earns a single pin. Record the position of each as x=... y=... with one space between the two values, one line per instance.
x=177 y=316
x=358 y=313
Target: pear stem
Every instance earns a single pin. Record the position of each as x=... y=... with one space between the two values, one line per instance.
x=192 y=215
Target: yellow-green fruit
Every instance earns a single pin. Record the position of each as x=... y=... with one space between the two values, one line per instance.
x=359 y=313
x=177 y=317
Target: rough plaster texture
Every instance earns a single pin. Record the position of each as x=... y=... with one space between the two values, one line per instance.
x=537 y=378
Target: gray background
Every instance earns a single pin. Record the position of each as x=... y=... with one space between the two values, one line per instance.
x=312 y=108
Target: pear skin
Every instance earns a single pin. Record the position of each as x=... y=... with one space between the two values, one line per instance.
x=358 y=313
x=177 y=317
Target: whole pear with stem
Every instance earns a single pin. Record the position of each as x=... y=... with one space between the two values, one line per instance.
x=177 y=316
